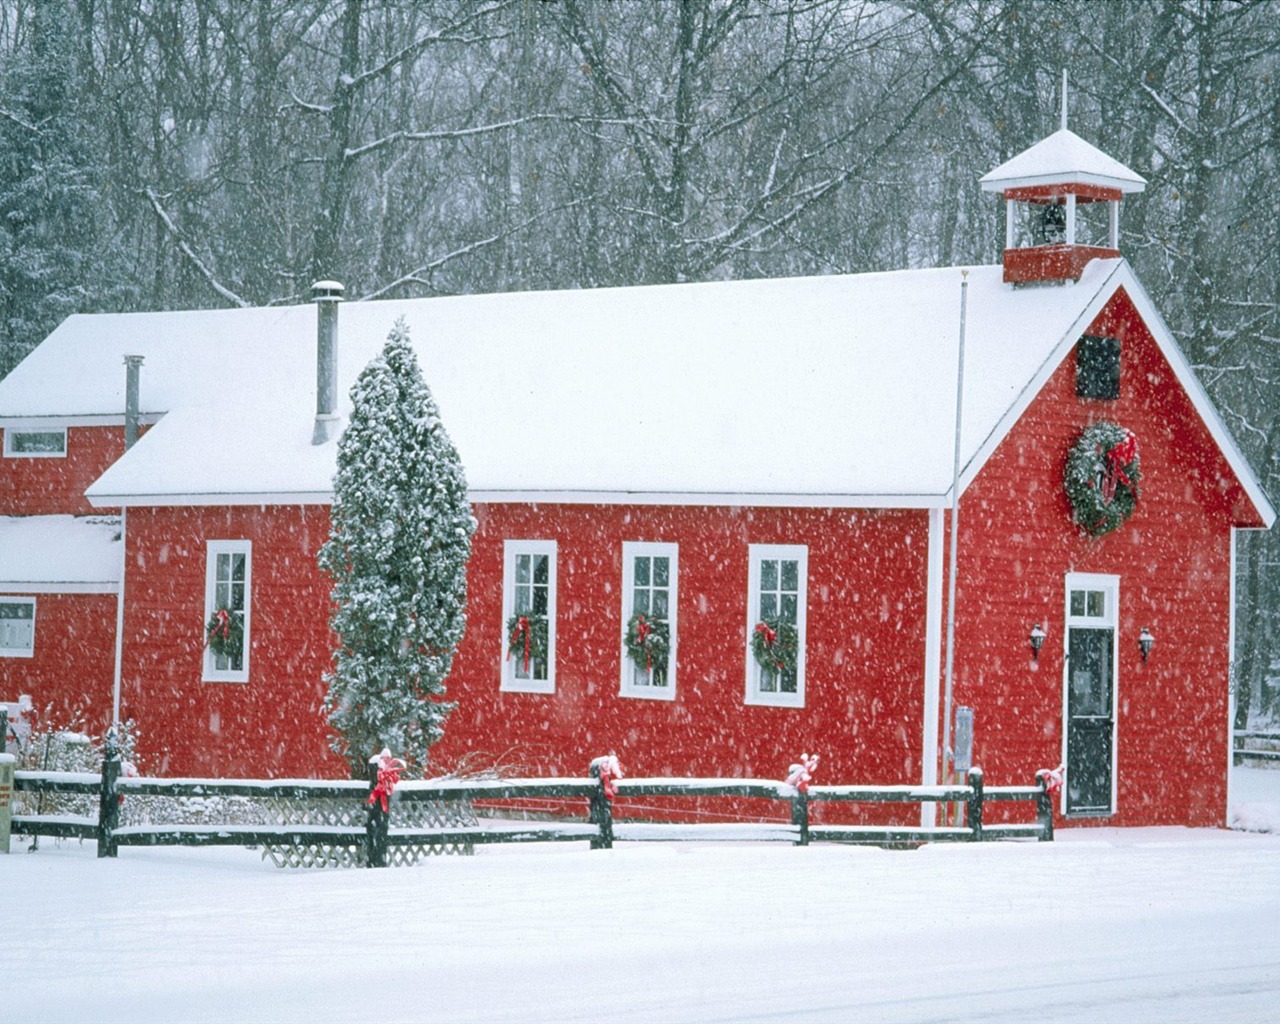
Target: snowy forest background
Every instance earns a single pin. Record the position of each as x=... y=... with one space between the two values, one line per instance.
x=203 y=153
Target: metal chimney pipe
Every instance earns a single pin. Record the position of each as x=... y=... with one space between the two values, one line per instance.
x=327 y=295
x=133 y=368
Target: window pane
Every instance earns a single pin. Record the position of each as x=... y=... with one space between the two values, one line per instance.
x=523 y=563
x=237 y=568
x=1077 y=602
x=768 y=605
x=640 y=603
x=1097 y=604
x=789 y=607
x=524 y=597
x=642 y=571
x=768 y=575
x=541 y=570
x=791 y=575
x=540 y=600
x=662 y=572
x=12 y=610
x=38 y=442
x=660 y=604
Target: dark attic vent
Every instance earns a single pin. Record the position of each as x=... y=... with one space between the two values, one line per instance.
x=1098 y=367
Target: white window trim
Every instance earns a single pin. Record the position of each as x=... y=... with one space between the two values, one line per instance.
x=630 y=550
x=510 y=549
x=756 y=554
x=212 y=550
x=17 y=652
x=1110 y=585
x=34 y=428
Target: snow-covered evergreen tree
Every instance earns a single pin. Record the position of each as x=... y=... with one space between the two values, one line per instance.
x=397 y=554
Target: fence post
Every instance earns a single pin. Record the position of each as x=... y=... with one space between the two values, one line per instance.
x=109 y=797
x=601 y=813
x=375 y=829
x=1044 y=809
x=4 y=730
x=800 y=815
x=974 y=811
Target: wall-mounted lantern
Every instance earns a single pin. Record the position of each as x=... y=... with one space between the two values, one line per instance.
x=1145 y=642
x=1037 y=641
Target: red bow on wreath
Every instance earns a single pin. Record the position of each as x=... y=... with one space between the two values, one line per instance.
x=523 y=629
x=222 y=626
x=643 y=629
x=389 y=769
x=770 y=638
x=1118 y=457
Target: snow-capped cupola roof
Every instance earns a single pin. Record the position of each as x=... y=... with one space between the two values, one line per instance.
x=1063 y=158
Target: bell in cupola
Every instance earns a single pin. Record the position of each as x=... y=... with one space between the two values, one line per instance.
x=1053 y=224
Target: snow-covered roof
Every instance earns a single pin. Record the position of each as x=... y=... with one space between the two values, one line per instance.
x=59 y=554
x=1062 y=158
x=836 y=390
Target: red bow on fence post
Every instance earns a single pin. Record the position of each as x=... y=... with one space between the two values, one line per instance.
x=609 y=771
x=801 y=773
x=389 y=769
x=1052 y=779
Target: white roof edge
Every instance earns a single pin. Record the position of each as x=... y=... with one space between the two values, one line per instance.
x=1123 y=276
x=550 y=497
x=75 y=420
x=22 y=587
x=1046 y=369
x=1026 y=181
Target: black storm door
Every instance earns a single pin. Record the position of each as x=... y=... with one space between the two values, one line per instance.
x=1090 y=720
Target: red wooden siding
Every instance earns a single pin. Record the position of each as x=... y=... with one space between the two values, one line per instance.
x=51 y=486
x=865 y=656
x=70 y=673
x=1173 y=560
x=268 y=727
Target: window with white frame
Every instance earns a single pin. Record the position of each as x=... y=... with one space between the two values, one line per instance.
x=17 y=627
x=227 y=595
x=529 y=616
x=649 y=574
x=777 y=591
x=35 y=443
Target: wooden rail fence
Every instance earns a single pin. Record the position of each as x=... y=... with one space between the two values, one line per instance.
x=600 y=829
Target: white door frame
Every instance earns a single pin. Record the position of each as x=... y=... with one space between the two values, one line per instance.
x=1110 y=619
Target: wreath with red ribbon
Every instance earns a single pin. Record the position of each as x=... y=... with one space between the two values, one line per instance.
x=527 y=638
x=224 y=634
x=1102 y=477
x=648 y=642
x=775 y=642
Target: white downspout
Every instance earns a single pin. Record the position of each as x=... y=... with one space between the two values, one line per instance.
x=955 y=535
x=932 y=666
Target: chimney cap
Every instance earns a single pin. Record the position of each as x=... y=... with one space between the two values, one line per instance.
x=322 y=290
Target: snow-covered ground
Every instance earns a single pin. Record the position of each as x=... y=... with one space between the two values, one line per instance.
x=1162 y=924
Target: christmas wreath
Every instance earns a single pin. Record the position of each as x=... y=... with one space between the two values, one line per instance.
x=775 y=643
x=224 y=634
x=1102 y=477
x=648 y=642
x=527 y=638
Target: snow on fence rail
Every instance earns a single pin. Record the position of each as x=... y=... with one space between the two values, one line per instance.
x=601 y=830
x=1256 y=744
